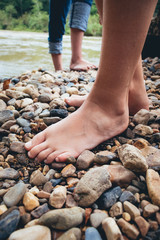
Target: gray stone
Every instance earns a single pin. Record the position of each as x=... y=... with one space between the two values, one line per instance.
x=8 y=173
x=104 y=157
x=51 y=120
x=14 y=195
x=39 y=211
x=143 y=130
x=127 y=196
x=142 y=116
x=62 y=219
x=8 y=124
x=23 y=122
x=3 y=105
x=5 y=116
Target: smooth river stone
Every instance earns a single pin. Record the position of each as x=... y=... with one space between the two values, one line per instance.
x=37 y=178
x=132 y=158
x=8 y=222
x=9 y=173
x=63 y=219
x=142 y=116
x=85 y=159
x=17 y=147
x=111 y=229
x=103 y=157
x=152 y=156
x=32 y=233
x=129 y=229
x=153 y=185
x=72 y=234
x=92 y=233
x=143 y=130
x=14 y=195
x=96 y=218
x=91 y=186
x=58 y=197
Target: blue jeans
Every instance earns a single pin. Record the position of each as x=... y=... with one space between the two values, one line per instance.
x=80 y=10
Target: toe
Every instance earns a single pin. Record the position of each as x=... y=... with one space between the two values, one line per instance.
x=63 y=156
x=37 y=149
x=43 y=155
x=39 y=138
x=51 y=157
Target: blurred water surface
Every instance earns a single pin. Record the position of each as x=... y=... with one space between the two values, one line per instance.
x=26 y=51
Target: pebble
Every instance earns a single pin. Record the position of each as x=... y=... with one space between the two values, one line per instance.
x=149 y=210
x=126 y=216
x=17 y=147
x=129 y=229
x=153 y=183
x=143 y=130
x=142 y=116
x=116 y=210
x=9 y=222
x=72 y=234
x=92 y=233
x=58 y=197
x=62 y=219
x=70 y=202
x=111 y=229
x=34 y=232
x=3 y=209
x=39 y=211
x=44 y=98
x=131 y=209
x=127 y=196
x=68 y=171
x=6 y=115
x=14 y=195
x=91 y=186
x=85 y=159
x=132 y=158
x=23 y=122
x=109 y=198
x=37 y=178
x=103 y=157
x=62 y=113
x=9 y=173
x=96 y=218
x=30 y=201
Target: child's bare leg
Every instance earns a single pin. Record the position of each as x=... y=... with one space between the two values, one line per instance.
x=105 y=112
x=77 y=61
x=57 y=61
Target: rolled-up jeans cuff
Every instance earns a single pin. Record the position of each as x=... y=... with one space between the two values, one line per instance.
x=79 y=15
x=55 y=47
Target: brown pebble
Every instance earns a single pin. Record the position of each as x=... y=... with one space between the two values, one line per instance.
x=143 y=225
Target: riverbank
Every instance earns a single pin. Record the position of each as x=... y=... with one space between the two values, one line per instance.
x=106 y=193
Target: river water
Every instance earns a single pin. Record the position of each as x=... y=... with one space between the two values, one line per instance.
x=27 y=51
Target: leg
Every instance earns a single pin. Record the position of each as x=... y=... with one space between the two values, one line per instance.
x=105 y=112
x=78 y=23
x=137 y=94
x=57 y=19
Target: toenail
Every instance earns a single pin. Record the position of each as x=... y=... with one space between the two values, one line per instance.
x=28 y=144
x=57 y=159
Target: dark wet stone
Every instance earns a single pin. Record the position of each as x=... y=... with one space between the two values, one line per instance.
x=140 y=185
x=92 y=233
x=62 y=113
x=22 y=159
x=157 y=120
x=55 y=181
x=127 y=196
x=38 y=212
x=3 y=133
x=155 y=138
x=15 y=80
x=25 y=219
x=5 y=116
x=152 y=235
x=23 y=122
x=9 y=173
x=8 y=222
x=109 y=198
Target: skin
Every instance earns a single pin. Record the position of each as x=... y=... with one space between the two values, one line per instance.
x=105 y=112
x=77 y=62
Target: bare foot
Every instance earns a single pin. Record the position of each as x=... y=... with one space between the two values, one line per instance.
x=84 y=129
x=82 y=65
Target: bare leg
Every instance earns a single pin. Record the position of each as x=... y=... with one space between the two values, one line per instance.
x=77 y=62
x=105 y=112
x=57 y=61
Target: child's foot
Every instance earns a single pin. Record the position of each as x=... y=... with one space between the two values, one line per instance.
x=82 y=65
x=84 y=129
